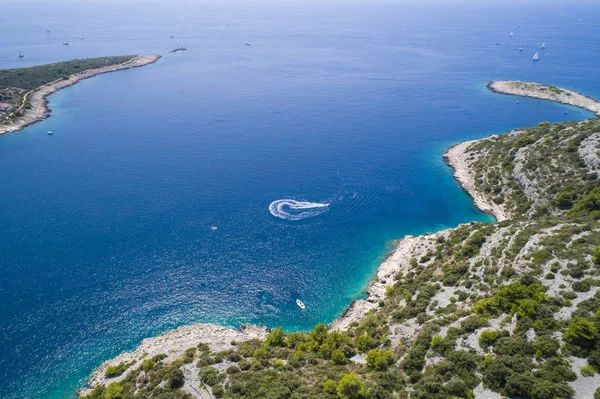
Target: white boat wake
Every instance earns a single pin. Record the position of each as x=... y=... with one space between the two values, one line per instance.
x=290 y=209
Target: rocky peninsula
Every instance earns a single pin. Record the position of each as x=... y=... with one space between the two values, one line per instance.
x=32 y=104
x=545 y=92
x=481 y=310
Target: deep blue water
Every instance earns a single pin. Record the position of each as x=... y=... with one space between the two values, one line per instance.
x=107 y=226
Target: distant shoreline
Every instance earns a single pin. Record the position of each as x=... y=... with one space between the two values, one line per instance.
x=38 y=97
x=545 y=92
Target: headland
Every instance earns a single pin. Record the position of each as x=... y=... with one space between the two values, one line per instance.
x=28 y=93
x=545 y=92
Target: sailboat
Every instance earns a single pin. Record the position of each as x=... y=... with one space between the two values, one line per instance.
x=65 y=43
x=536 y=56
x=21 y=55
x=543 y=45
x=511 y=34
x=171 y=36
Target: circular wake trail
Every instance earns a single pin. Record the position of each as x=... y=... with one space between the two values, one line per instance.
x=290 y=209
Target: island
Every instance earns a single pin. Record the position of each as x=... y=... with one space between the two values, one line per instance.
x=23 y=91
x=483 y=310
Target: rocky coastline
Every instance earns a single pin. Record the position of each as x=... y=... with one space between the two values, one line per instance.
x=401 y=259
x=545 y=92
x=218 y=338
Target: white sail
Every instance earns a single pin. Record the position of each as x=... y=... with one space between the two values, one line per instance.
x=536 y=56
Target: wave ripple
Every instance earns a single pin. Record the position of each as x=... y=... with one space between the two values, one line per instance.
x=290 y=209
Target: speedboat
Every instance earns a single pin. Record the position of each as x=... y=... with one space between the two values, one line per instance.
x=50 y=132
x=300 y=304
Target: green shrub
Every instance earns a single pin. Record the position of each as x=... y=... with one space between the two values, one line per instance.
x=473 y=322
x=564 y=200
x=587 y=370
x=330 y=387
x=596 y=256
x=351 y=386
x=365 y=342
x=115 y=371
x=380 y=360
x=148 y=365
x=512 y=298
x=488 y=338
x=524 y=141
x=208 y=375
x=218 y=391
x=175 y=378
x=338 y=357
x=580 y=332
x=437 y=342
x=276 y=338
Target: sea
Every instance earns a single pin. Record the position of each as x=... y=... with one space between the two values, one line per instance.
x=278 y=158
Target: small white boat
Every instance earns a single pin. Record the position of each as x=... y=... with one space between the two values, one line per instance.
x=81 y=37
x=521 y=49
x=300 y=304
x=536 y=56
x=543 y=45
x=511 y=34
x=21 y=55
x=50 y=132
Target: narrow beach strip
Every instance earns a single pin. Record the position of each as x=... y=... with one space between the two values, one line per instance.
x=545 y=92
x=37 y=97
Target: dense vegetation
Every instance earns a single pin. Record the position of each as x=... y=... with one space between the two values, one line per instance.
x=507 y=306
x=33 y=77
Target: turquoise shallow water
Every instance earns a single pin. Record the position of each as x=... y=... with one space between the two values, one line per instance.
x=107 y=226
